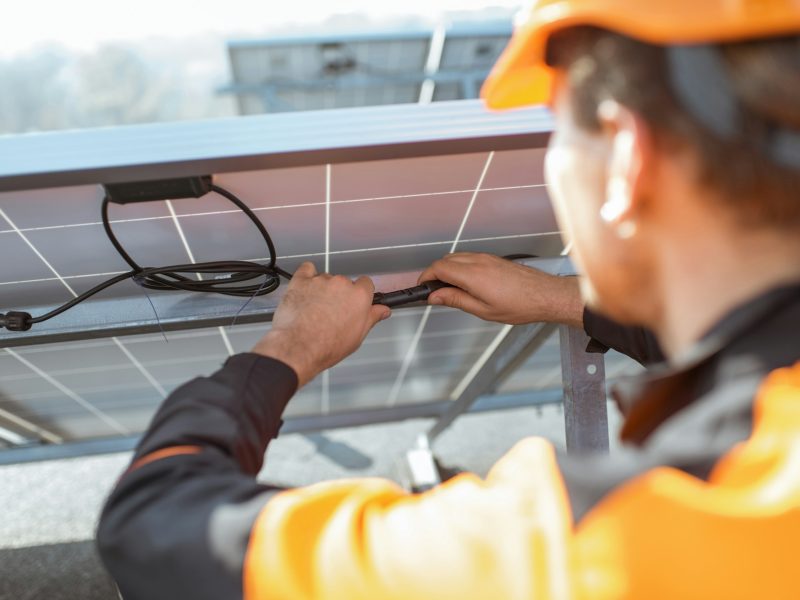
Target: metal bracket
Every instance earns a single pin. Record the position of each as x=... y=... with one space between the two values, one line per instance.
x=584 y=377
x=421 y=471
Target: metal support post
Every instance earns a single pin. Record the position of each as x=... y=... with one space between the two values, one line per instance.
x=585 y=413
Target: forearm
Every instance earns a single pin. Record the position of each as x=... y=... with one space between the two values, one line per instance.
x=236 y=411
x=558 y=300
x=178 y=522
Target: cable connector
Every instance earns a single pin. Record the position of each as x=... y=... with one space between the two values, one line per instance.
x=162 y=189
x=16 y=321
x=418 y=293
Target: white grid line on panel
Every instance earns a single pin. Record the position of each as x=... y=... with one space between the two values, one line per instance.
x=225 y=340
x=36 y=251
x=313 y=255
x=111 y=422
x=142 y=370
x=32 y=427
x=328 y=174
x=478 y=365
x=435 y=51
x=326 y=392
x=472 y=202
x=412 y=350
x=140 y=367
x=184 y=241
x=326 y=376
x=501 y=188
x=161 y=217
x=44 y=279
x=283 y=206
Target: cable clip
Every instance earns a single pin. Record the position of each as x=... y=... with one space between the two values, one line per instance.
x=16 y=321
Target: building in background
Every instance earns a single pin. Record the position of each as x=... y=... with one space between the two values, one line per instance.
x=390 y=66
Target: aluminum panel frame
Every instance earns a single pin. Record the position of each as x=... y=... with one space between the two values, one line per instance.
x=184 y=149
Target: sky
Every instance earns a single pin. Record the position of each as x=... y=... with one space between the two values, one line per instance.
x=84 y=24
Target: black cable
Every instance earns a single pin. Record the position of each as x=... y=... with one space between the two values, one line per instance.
x=232 y=276
x=232 y=279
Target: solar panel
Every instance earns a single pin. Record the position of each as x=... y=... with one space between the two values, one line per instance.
x=301 y=73
x=358 y=191
x=363 y=69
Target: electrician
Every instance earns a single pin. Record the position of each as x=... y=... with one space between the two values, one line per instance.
x=674 y=170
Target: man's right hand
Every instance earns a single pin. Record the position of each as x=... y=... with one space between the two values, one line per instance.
x=496 y=289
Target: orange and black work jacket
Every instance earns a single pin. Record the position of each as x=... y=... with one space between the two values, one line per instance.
x=702 y=501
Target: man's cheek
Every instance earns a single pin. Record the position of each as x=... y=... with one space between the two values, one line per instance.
x=559 y=162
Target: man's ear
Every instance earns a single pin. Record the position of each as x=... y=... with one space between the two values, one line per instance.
x=631 y=151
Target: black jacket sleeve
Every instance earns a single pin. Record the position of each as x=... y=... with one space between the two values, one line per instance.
x=178 y=527
x=637 y=342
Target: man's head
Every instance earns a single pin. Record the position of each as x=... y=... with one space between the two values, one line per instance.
x=634 y=173
x=662 y=148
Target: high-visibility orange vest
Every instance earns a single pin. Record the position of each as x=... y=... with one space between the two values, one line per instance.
x=664 y=534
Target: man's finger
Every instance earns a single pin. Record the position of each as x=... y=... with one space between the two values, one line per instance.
x=426 y=275
x=378 y=313
x=455 y=298
x=454 y=273
x=307 y=270
x=366 y=283
x=462 y=257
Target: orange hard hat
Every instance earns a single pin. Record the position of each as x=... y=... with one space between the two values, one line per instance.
x=522 y=76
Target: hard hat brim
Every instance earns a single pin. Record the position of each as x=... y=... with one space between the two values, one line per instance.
x=521 y=75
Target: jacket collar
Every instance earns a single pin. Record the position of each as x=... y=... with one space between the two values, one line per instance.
x=649 y=399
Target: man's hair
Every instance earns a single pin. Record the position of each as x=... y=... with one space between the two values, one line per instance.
x=765 y=75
